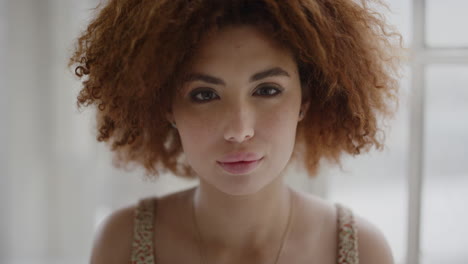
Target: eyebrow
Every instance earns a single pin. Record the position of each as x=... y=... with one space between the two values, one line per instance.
x=276 y=71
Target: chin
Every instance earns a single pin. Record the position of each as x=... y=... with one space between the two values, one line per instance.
x=240 y=185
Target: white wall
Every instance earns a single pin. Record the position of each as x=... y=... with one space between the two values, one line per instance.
x=44 y=204
x=4 y=194
x=28 y=119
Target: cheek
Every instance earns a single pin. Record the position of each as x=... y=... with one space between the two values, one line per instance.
x=280 y=124
x=196 y=131
x=278 y=133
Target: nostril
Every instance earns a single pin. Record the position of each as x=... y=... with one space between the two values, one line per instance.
x=241 y=138
x=239 y=128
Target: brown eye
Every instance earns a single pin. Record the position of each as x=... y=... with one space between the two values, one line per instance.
x=269 y=91
x=202 y=95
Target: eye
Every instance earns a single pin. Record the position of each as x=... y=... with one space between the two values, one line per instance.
x=202 y=95
x=269 y=91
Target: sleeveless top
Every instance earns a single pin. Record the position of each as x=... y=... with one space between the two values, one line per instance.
x=142 y=245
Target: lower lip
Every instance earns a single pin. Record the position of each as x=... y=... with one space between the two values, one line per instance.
x=239 y=168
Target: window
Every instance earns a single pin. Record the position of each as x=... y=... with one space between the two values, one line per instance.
x=415 y=190
x=445 y=165
x=446 y=23
x=437 y=87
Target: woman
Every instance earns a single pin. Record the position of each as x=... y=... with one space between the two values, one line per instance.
x=232 y=92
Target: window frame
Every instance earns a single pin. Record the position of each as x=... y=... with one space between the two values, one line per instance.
x=422 y=55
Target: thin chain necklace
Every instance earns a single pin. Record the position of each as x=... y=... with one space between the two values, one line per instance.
x=285 y=233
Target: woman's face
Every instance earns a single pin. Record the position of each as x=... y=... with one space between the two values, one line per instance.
x=243 y=96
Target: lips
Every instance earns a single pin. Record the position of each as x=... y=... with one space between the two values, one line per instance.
x=240 y=157
x=243 y=163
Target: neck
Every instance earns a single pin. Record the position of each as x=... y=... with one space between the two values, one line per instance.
x=237 y=223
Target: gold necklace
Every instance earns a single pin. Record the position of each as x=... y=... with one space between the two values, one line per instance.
x=285 y=233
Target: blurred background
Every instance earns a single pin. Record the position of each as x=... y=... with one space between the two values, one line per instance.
x=57 y=183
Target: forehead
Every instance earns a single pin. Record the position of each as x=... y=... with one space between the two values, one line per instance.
x=240 y=47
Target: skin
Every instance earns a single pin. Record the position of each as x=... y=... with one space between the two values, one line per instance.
x=235 y=211
x=241 y=218
x=236 y=117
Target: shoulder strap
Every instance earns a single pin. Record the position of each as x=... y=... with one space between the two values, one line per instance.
x=347 y=236
x=142 y=245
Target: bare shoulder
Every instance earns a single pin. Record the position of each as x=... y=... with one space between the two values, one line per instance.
x=113 y=239
x=372 y=245
x=315 y=230
x=315 y=206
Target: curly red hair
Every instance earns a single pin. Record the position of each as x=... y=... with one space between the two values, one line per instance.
x=134 y=54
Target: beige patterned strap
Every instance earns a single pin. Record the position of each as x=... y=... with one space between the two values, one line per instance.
x=347 y=236
x=142 y=246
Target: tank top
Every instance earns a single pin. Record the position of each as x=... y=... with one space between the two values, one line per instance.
x=142 y=245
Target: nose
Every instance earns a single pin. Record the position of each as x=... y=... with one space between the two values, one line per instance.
x=239 y=124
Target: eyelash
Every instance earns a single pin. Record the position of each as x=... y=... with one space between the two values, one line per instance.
x=193 y=94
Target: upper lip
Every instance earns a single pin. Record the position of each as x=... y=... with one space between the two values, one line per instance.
x=240 y=156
